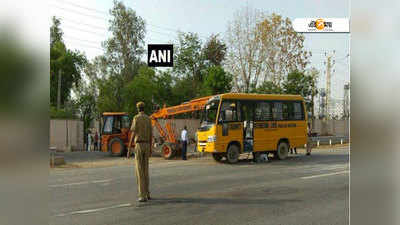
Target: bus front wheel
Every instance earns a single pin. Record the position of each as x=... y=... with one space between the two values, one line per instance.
x=232 y=155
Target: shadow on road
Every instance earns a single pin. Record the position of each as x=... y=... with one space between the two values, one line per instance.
x=216 y=201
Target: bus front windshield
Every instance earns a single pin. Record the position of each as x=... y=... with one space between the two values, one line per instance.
x=211 y=112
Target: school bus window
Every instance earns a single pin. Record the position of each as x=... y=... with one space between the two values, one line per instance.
x=298 y=111
x=210 y=113
x=290 y=110
x=238 y=111
x=228 y=112
x=263 y=111
x=285 y=111
x=247 y=111
x=277 y=113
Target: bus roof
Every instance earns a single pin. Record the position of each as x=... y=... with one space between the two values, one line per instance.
x=247 y=96
x=115 y=114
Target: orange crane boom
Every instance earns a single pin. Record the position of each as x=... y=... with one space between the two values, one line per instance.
x=169 y=148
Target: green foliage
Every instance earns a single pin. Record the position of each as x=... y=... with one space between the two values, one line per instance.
x=61 y=113
x=55 y=31
x=67 y=62
x=217 y=81
x=141 y=88
x=124 y=49
x=110 y=94
x=297 y=83
x=121 y=78
x=189 y=61
x=182 y=91
x=163 y=93
x=86 y=103
x=268 y=87
x=214 y=51
x=117 y=80
x=196 y=63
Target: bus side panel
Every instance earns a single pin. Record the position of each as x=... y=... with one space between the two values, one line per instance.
x=263 y=136
x=297 y=131
x=235 y=133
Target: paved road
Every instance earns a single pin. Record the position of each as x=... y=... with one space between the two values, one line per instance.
x=299 y=190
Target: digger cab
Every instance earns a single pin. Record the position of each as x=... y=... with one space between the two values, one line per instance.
x=115 y=132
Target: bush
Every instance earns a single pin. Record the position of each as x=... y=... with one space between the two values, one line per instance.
x=61 y=113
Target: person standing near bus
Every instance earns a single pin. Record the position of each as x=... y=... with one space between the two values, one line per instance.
x=309 y=140
x=184 y=140
x=89 y=141
x=96 y=140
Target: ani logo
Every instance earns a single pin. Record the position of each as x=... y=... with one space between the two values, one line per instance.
x=160 y=55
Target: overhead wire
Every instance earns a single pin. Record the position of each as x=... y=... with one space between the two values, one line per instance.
x=167 y=29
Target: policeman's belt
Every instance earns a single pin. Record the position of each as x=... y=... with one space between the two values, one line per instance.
x=142 y=142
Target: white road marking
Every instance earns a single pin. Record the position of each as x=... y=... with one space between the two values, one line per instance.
x=80 y=183
x=324 y=175
x=94 y=210
x=101 y=181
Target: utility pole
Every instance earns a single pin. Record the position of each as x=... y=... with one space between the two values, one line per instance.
x=328 y=87
x=346 y=101
x=314 y=75
x=329 y=65
x=59 y=90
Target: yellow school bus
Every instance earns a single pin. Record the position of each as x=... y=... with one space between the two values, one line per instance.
x=236 y=123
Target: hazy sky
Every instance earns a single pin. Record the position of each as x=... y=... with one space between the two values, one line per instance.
x=85 y=24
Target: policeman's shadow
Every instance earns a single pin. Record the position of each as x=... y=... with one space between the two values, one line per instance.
x=214 y=201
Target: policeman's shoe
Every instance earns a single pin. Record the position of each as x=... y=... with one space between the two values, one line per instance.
x=148 y=197
x=142 y=200
x=308 y=153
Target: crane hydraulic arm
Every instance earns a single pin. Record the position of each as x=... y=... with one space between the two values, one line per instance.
x=168 y=112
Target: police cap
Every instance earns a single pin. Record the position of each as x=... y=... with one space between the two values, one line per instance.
x=140 y=105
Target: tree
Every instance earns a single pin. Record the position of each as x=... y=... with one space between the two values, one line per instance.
x=268 y=87
x=314 y=74
x=67 y=63
x=163 y=93
x=55 y=31
x=217 y=81
x=283 y=48
x=189 y=61
x=86 y=103
x=297 y=83
x=141 y=88
x=214 y=50
x=110 y=97
x=124 y=49
x=244 y=54
x=119 y=66
x=263 y=48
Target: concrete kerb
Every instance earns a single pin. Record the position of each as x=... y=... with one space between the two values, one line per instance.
x=106 y=161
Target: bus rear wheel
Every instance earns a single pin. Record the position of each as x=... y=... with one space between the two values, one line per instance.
x=232 y=155
x=282 y=151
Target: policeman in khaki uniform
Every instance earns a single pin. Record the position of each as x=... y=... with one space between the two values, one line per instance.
x=142 y=135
